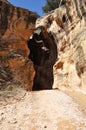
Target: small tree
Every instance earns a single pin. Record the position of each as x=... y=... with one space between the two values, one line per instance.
x=50 y=5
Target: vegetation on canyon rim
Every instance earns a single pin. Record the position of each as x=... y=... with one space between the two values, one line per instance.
x=50 y=5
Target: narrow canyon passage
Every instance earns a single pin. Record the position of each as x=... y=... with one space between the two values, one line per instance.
x=43 y=53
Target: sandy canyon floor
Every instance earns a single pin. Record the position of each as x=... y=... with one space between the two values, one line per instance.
x=42 y=110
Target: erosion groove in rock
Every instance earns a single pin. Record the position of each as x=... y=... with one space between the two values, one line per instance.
x=43 y=53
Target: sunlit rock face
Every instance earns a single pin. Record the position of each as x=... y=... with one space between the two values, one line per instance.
x=16 y=27
x=67 y=24
x=55 y=55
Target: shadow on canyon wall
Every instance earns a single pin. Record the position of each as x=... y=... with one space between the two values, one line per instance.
x=43 y=53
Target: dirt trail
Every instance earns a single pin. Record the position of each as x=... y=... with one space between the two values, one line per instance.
x=41 y=110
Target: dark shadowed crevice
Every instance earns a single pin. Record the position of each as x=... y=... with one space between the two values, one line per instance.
x=3 y=18
x=43 y=53
x=64 y=18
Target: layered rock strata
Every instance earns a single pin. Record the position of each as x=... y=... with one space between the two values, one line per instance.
x=16 y=27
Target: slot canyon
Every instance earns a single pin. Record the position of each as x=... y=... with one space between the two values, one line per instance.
x=43 y=67
x=43 y=53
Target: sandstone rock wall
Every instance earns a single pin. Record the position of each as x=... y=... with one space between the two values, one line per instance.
x=60 y=35
x=16 y=27
x=67 y=24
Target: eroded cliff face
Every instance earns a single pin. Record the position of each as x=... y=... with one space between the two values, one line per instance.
x=67 y=24
x=16 y=27
x=55 y=55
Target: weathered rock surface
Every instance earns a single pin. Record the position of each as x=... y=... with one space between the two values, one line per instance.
x=16 y=27
x=62 y=37
x=57 y=47
x=67 y=24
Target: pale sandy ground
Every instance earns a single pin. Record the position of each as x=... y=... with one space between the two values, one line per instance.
x=42 y=110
